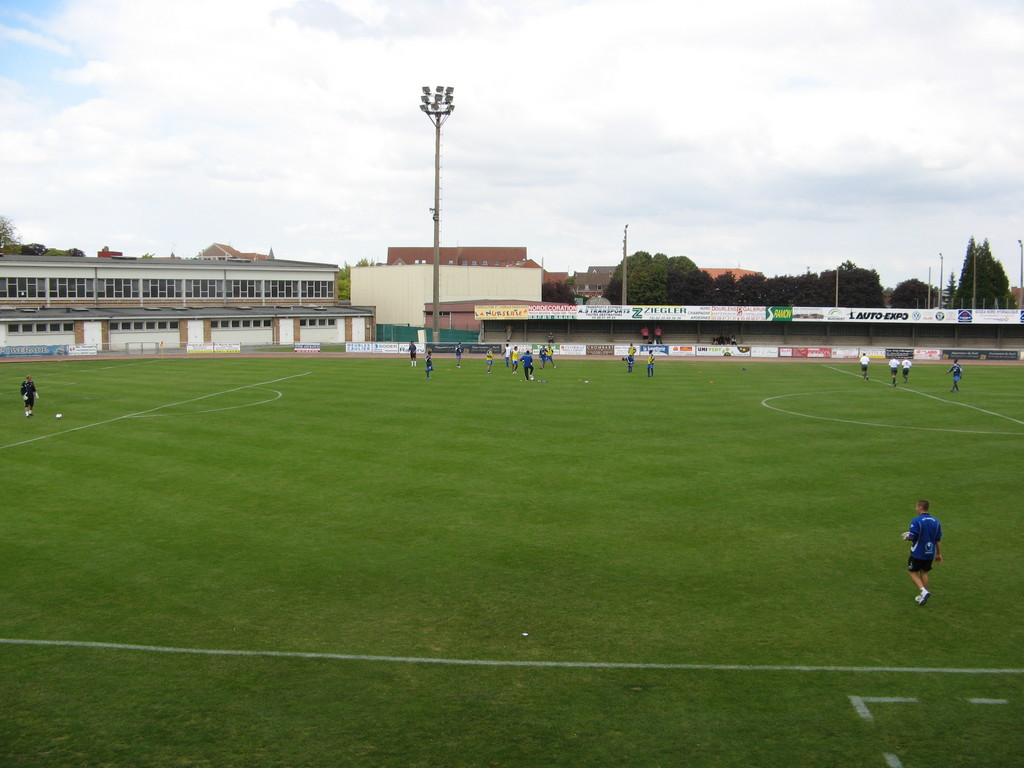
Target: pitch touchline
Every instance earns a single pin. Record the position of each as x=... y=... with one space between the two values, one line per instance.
x=151 y=410
x=506 y=663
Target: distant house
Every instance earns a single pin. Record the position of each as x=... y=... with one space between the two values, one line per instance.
x=221 y=252
x=469 y=256
x=737 y=273
x=593 y=282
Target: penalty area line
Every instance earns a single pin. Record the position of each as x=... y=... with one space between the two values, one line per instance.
x=506 y=663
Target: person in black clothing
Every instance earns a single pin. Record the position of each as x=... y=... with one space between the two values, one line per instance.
x=29 y=393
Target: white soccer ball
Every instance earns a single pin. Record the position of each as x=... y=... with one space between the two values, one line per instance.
x=58 y=416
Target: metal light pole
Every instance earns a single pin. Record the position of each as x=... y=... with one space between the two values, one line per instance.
x=1020 y=294
x=625 y=233
x=942 y=284
x=438 y=107
x=837 y=288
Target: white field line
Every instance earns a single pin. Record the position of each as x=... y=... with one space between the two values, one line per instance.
x=768 y=404
x=151 y=410
x=940 y=399
x=860 y=703
x=510 y=663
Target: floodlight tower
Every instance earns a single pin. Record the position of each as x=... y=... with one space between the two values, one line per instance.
x=625 y=235
x=437 y=106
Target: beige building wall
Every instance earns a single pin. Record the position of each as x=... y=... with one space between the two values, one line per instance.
x=399 y=292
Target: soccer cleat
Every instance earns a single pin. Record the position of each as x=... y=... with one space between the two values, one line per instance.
x=923 y=598
x=917 y=599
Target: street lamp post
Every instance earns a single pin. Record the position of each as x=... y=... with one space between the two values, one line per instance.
x=625 y=233
x=437 y=106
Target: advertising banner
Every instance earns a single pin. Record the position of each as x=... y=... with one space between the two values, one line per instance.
x=82 y=350
x=552 y=311
x=806 y=352
x=672 y=313
x=34 y=350
x=722 y=351
x=980 y=354
x=779 y=314
x=501 y=312
x=898 y=352
x=682 y=350
x=602 y=312
x=217 y=347
x=739 y=313
x=307 y=347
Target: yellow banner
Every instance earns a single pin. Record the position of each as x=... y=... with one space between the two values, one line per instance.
x=501 y=312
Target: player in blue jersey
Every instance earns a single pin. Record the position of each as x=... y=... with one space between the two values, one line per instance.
x=957 y=370
x=925 y=536
x=458 y=355
x=527 y=361
x=430 y=364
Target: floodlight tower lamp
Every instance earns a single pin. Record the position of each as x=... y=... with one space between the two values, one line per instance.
x=437 y=110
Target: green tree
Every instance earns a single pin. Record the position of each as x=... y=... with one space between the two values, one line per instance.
x=858 y=287
x=648 y=277
x=983 y=281
x=693 y=288
x=557 y=291
x=8 y=233
x=911 y=294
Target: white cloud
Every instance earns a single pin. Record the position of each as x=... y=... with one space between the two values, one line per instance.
x=777 y=136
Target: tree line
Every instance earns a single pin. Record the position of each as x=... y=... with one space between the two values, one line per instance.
x=660 y=280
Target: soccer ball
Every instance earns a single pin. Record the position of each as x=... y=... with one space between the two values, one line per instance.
x=58 y=416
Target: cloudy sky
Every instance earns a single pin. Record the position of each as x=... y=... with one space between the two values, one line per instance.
x=776 y=136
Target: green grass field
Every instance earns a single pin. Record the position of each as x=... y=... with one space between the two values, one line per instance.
x=599 y=569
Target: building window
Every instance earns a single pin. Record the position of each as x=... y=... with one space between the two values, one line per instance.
x=70 y=288
x=144 y=325
x=202 y=289
x=161 y=289
x=244 y=289
x=22 y=328
x=23 y=287
x=281 y=289
x=117 y=288
x=316 y=322
x=237 y=324
x=317 y=289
